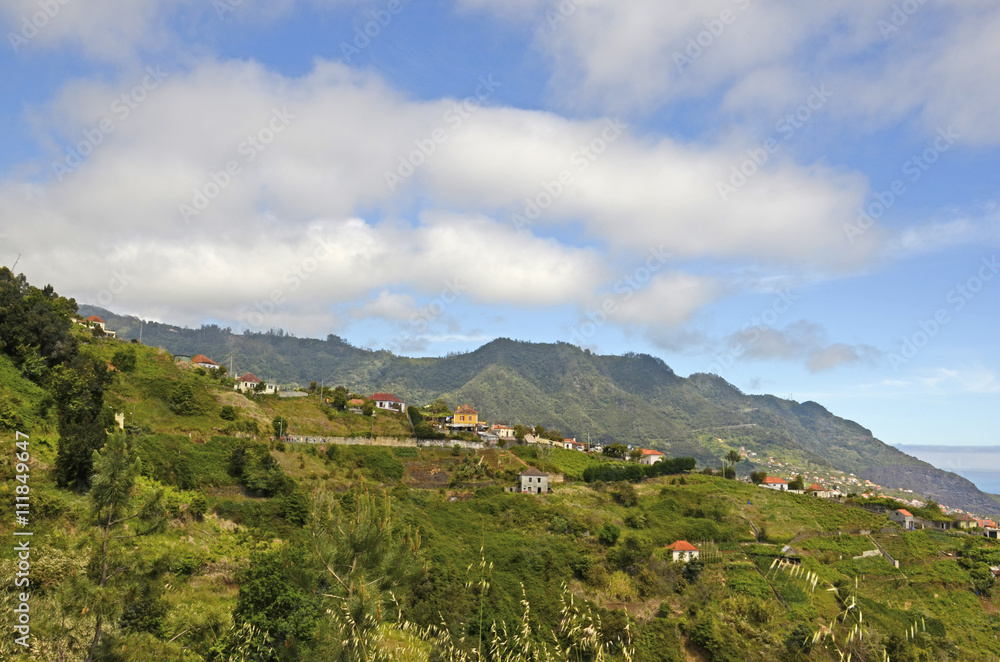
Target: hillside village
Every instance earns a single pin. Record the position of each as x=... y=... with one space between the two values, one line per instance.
x=465 y=425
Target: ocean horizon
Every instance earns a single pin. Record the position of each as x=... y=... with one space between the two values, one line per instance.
x=979 y=464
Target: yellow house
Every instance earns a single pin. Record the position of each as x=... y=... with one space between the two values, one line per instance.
x=466 y=416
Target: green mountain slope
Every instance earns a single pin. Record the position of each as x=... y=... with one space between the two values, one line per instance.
x=633 y=399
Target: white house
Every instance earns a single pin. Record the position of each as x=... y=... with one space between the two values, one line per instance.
x=502 y=431
x=534 y=481
x=683 y=551
x=249 y=382
x=389 y=402
x=775 y=483
x=204 y=362
x=99 y=323
x=650 y=457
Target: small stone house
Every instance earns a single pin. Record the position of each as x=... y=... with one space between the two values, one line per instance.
x=534 y=481
x=902 y=516
x=966 y=521
x=683 y=551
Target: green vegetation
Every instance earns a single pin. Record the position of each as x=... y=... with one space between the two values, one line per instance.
x=176 y=541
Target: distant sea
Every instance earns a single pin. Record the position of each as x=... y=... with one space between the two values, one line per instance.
x=980 y=464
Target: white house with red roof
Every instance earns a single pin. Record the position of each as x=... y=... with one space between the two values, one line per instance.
x=204 y=362
x=249 y=382
x=683 y=551
x=775 y=483
x=650 y=457
x=94 y=320
x=389 y=402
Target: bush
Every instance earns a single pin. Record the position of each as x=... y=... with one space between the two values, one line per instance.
x=609 y=534
x=198 y=507
x=182 y=400
x=124 y=359
x=625 y=494
x=228 y=413
x=295 y=508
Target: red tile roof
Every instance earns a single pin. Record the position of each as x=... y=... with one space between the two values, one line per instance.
x=201 y=358
x=249 y=377
x=95 y=318
x=466 y=409
x=815 y=487
x=774 y=480
x=646 y=451
x=385 y=397
x=356 y=401
x=682 y=546
x=904 y=513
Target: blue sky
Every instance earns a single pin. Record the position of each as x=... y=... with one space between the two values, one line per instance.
x=674 y=177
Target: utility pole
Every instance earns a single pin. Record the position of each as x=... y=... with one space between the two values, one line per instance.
x=140 y=332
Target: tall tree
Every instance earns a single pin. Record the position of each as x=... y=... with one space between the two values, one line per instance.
x=111 y=570
x=83 y=419
x=734 y=458
x=367 y=561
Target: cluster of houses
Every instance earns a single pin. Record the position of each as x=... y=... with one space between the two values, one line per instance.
x=963 y=522
x=466 y=419
x=246 y=383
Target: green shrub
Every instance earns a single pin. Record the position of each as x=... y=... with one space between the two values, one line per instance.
x=609 y=534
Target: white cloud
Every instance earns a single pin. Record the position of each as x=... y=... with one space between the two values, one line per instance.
x=968 y=379
x=800 y=341
x=887 y=65
x=327 y=140
x=669 y=300
x=387 y=305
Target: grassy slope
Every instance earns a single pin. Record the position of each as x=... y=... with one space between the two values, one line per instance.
x=541 y=543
